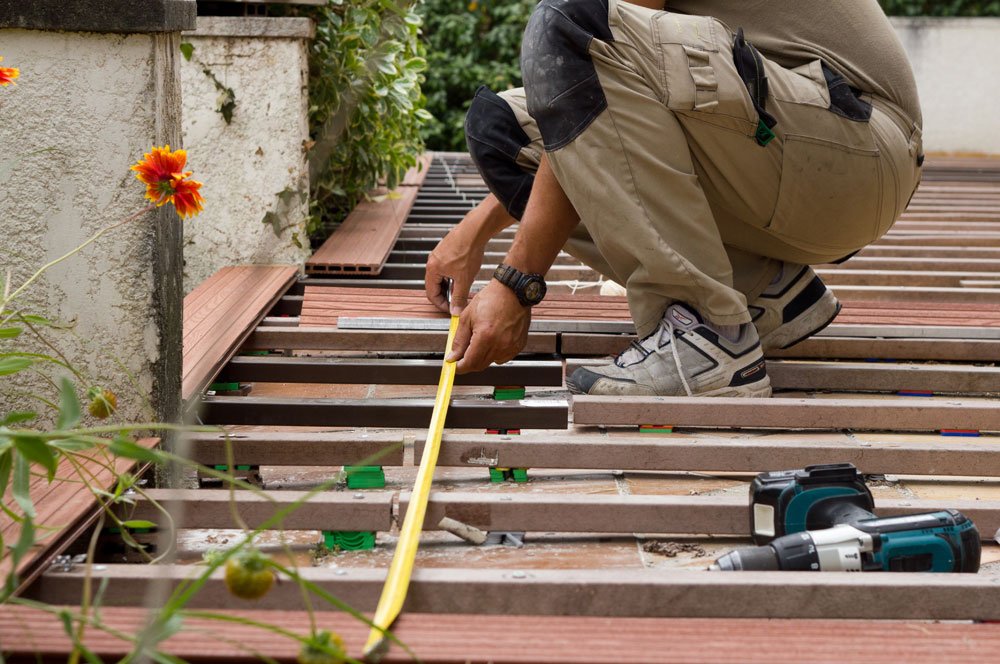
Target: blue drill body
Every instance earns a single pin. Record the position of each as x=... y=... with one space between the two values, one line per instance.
x=820 y=518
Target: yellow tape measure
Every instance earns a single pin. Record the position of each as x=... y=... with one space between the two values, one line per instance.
x=398 y=580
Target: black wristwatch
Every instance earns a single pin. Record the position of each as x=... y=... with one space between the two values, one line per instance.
x=529 y=288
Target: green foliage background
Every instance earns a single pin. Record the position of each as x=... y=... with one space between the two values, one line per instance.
x=366 y=107
x=469 y=43
x=941 y=7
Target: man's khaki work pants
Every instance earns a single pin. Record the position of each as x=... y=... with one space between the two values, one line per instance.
x=678 y=201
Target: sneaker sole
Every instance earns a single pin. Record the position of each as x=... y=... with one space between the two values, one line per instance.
x=759 y=390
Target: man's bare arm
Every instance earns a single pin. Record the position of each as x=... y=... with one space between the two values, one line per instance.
x=459 y=255
x=494 y=327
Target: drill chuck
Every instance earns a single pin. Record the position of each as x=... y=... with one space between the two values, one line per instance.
x=754 y=558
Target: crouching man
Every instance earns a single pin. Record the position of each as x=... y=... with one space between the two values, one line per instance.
x=702 y=155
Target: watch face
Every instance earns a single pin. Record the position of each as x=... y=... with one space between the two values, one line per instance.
x=534 y=291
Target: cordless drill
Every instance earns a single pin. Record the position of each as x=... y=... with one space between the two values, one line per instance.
x=820 y=519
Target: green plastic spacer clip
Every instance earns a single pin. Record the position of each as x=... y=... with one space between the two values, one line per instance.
x=349 y=540
x=365 y=477
x=508 y=393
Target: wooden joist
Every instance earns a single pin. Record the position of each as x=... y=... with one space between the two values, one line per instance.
x=212 y=508
x=611 y=593
x=893 y=414
x=276 y=448
x=530 y=512
x=870 y=376
x=27 y=633
x=326 y=338
x=383 y=371
x=221 y=313
x=823 y=347
x=643 y=452
x=462 y=414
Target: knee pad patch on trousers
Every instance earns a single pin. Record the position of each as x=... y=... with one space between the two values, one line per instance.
x=563 y=92
x=495 y=138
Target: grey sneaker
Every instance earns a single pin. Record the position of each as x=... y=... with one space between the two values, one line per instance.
x=682 y=357
x=793 y=308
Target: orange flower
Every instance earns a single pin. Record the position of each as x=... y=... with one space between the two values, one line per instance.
x=162 y=171
x=8 y=74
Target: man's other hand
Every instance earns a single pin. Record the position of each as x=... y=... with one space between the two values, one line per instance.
x=493 y=328
x=459 y=257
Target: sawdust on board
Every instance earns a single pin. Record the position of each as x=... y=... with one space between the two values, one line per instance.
x=671 y=549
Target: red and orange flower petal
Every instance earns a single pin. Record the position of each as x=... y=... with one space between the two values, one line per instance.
x=8 y=74
x=186 y=198
x=162 y=171
x=160 y=165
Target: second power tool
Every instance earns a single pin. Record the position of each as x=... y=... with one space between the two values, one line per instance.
x=820 y=518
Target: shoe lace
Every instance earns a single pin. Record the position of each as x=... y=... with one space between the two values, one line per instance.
x=639 y=349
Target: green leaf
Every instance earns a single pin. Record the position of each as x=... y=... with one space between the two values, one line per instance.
x=17 y=417
x=35 y=320
x=10 y=332
x=138 y=523
x=12 y=365
x=187 y=50
x=22 y=485
x=124 y=447
x=6 y=459
x=34 y=449
x=69 y=406
x=72 y=444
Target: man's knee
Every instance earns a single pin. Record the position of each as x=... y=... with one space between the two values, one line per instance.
x=563 y=91
x=495 y=138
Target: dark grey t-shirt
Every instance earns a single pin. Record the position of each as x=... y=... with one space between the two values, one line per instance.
x=852 y=36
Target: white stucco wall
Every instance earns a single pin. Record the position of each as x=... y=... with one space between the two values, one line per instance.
x=957 y=66
x=86 y=107
x=245 y=164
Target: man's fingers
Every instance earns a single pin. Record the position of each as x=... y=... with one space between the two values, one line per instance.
x=459 y=298
x=463 y=335
x=434 y=288
x=475 y=358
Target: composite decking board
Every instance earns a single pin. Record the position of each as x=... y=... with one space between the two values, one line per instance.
x=366 y=237
x=327 y=338
x=225 y=311
x=460 y=639
x=64 y=508
x=948 y=350
x=463 y=413
x=893 y=414
x=614 y=593
x=231 y=311
x=324 y=304
x=928 y=264
x=383 y=372
x=834 y=278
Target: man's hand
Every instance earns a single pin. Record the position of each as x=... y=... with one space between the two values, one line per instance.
x=493 y=328
x=459 y=257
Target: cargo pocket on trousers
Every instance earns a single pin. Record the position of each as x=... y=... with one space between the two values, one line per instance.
x=830 y=196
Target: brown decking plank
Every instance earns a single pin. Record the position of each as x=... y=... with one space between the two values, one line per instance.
x=228 y=301
x=366 y=237
x=229 y=324
x=460 y=639
x=66 y=505
x=896 y=414
x=414 y=177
